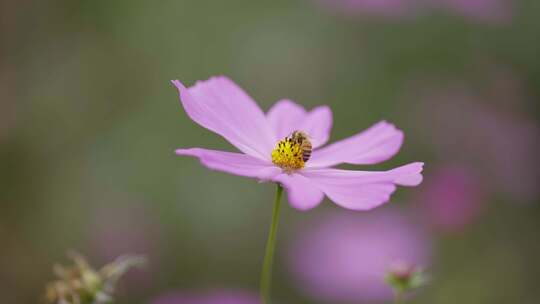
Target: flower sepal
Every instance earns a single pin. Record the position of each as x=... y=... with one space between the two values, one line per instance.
x=405 y=278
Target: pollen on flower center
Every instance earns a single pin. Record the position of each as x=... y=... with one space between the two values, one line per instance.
x=292 y=152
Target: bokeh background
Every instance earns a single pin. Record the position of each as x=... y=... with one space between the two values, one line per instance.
x=89 y=122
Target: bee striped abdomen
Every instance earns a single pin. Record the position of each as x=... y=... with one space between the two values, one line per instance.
x=302 y=140
x=306 y=150
x=292 y=152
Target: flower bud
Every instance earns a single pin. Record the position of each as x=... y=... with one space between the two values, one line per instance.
x=81 y=284
x=404 y=277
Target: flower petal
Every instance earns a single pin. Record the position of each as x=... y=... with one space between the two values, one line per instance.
x=376 y=144
x=363 y=190
x=287 y=116
x=317 y=125
x=233 y=163
x=302 y=193
x=221 y=106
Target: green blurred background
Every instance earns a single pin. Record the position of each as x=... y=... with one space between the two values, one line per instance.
x=89 y=122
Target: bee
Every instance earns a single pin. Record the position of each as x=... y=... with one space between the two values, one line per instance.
x=302 y=140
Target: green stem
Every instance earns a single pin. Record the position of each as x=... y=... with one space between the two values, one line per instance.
x=266 y=274
x=398 y=299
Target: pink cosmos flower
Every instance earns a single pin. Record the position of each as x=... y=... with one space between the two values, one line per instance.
x=270 y=152
x=343 y=258
x=452 y=199
x=214 y=297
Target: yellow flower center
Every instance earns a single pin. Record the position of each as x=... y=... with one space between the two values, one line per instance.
x=292 y=152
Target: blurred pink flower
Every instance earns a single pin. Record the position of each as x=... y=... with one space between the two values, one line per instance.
x=270 y=152
x=214 y=297
x=117 y=231
x=344 y=258
x=452 y=198
x=373 y=7
x=501 y=147
x=480 y=10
